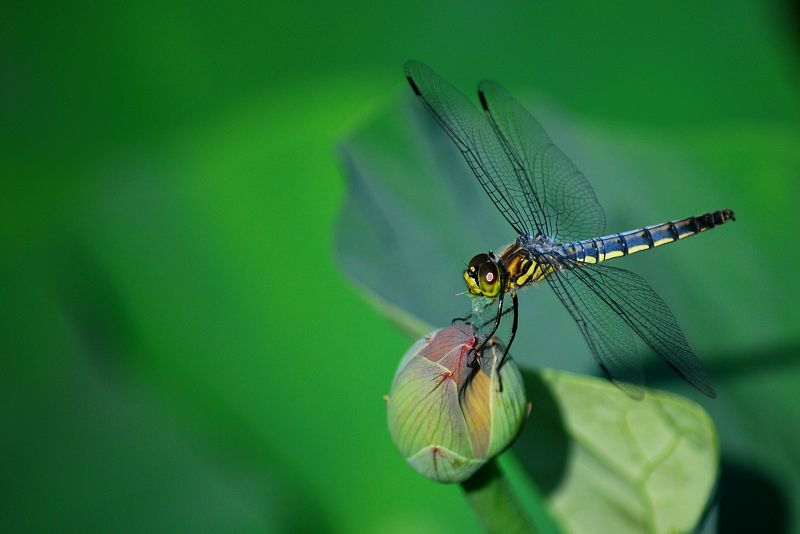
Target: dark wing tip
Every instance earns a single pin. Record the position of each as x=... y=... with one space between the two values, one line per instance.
x=486 y=87
x=706 y=388
x=491 y=90
x=482 y=97
x=413 y=85
x=410 y=68
x=701 y=383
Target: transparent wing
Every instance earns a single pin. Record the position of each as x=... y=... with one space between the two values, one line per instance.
x=563 y=199
x=606 y=332
x=602 y=299
x=474 y=136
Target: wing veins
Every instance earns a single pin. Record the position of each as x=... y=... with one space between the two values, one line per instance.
x=472 y=144
x=653 y=322
x=608 y=337
x=523 y=179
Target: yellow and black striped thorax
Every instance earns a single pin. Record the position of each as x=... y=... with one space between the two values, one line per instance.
x=524 y=268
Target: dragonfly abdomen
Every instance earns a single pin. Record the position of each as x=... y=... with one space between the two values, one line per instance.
x=607 y=247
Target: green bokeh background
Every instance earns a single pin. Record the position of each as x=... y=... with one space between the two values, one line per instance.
x=179 y=348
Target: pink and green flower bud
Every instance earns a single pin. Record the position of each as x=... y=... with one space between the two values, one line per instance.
x=446 y=418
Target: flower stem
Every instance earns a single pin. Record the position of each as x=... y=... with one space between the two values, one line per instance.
x=495 y=503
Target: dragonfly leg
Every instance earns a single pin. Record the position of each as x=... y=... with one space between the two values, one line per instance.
x=474 y=365
x=464 y=319
x=498 y=317
x=474 y=369
x=515 y=307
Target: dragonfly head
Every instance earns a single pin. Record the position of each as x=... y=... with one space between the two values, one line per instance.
x=483 y=276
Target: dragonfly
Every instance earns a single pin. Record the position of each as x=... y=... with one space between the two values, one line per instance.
x=561 y=239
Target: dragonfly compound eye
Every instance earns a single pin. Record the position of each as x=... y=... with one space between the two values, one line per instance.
x=489 y=278
x=476 y=262
x=472 y=274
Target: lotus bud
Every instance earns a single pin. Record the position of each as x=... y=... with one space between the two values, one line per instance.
x=448 y=413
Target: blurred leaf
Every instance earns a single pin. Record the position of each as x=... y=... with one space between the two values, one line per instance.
x=89 y=448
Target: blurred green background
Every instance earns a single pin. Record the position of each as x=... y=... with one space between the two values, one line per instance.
x=180 y=350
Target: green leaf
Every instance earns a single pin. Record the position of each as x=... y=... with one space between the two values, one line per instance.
x=609 y=463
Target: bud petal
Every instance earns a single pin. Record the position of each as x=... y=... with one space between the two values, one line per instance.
x=446 y=418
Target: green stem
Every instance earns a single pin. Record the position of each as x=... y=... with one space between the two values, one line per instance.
x=495 y=502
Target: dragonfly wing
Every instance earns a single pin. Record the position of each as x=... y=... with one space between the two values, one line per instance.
x=562 y=197
x=612 y=292
x=474 y=136
x=607 y=333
